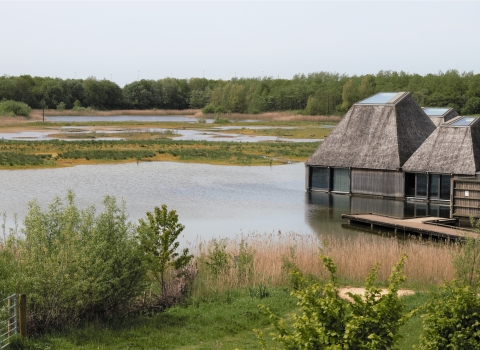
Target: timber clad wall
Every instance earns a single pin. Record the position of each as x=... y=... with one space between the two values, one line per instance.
x=378 y=182
x=466 y=197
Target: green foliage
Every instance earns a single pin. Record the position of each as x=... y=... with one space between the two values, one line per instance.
x=61 y=106
x=220 y=110
x=451 y=320
x=158 y=236
x=75 y=264
x=314 y=106
x=472 y=106
x=106 y=154
x=10 y=108
x=220 y=120
x=328 y=322
x=13 y=158
x=208 y=109
x=244 y=262
x=217 y=260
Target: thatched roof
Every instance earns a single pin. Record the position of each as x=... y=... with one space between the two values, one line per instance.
x=376 y=135
x=440 y=115
x=449 y=149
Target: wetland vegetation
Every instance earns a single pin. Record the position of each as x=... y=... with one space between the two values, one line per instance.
x=211 y=299
x=57 y=153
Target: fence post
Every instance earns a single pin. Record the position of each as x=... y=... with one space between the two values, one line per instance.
x=22 y=308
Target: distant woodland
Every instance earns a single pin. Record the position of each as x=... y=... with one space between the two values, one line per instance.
x=320 y=93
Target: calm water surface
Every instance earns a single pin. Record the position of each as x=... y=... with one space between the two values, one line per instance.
x=212 y=201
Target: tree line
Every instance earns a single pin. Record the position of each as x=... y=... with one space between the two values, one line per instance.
x=320 y=93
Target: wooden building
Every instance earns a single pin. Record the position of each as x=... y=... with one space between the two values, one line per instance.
x=440 y=115
x=365 y=153
x=452 y=150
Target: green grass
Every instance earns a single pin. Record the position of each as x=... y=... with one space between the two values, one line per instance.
x=224 y=323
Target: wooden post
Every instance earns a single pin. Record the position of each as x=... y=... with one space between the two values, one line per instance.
x=22 y=314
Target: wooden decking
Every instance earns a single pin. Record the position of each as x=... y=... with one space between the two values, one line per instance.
x=432 y=227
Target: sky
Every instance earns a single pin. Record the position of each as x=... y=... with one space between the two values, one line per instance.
x=124 y=41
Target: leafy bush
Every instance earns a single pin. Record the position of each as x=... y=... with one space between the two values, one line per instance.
x=220 y=110
x=220 y=120
x=451 y=320
x=329 y=322
x=61 y=106
x=208 y=109
x=76 y=264
x=11 y=108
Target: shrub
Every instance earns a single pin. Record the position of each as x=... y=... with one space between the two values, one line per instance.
x=61 y=106
x=14 y=109
x=451 y=320
x=76 y=264
x=329 y=322
x=220 y=110
x=208 y=109
x=220 y=120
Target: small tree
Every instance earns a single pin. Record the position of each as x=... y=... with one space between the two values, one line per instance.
x=158 y=236
x=329 y=322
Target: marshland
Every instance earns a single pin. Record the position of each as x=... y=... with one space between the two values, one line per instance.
x=233 y=172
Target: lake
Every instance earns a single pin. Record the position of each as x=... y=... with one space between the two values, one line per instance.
x=211 y=200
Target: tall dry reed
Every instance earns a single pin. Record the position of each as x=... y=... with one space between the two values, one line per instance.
x=37 y=113
x=275 y=116
x=428 y=263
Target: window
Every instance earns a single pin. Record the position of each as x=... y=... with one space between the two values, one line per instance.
x=421 y=188
x=409 y=185
x=319 y=178
x=434 y=185
x=445 y=187
x=341 y=179
x=435 y=112
x=379 y=99
x=465 y=121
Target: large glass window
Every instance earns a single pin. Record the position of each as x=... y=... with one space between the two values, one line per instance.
x=380 y=98
x=409 y=185
x=421 y=188
x=319 y=178
x=445 y=187
x=341 y=179
x=434 y=185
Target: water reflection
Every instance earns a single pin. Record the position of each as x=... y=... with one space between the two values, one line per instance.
x=211 y=200
x=324 y=210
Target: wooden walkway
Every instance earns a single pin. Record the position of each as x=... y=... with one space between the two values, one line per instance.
x=427 y=226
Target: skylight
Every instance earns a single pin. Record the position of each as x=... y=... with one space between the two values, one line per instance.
x=379 y=99
x=465 y=121
x=435 y=112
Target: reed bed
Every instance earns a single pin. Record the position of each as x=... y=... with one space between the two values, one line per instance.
x=274 y=116
x=11 y=121
x=37 y=113
x=428 y=264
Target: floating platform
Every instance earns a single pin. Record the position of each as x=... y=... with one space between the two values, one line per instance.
x=430 y=227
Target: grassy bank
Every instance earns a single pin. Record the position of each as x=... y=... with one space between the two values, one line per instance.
x=223 y=308
x=227 y=323
x=27 y=154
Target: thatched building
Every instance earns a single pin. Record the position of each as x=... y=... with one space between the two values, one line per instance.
x=452 y=150
x=365 y=153
x=440 y=115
